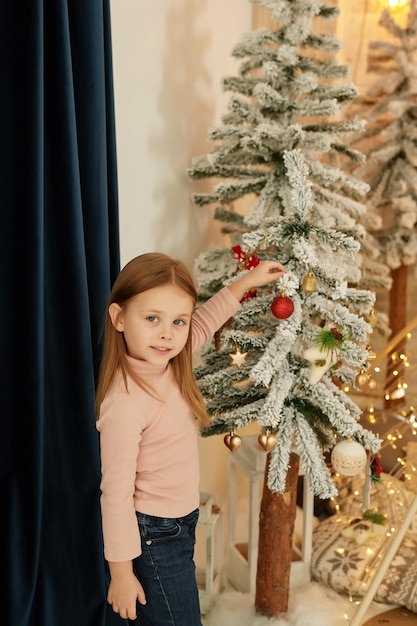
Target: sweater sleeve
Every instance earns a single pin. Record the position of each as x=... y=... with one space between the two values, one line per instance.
x=211 y=315
x=120 y=435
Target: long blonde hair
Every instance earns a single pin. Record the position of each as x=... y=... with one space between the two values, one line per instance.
x=140 y=274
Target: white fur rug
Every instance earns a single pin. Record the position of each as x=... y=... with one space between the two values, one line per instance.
x=313 y=605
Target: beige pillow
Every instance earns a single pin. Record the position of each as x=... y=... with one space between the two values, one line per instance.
x=347 y=549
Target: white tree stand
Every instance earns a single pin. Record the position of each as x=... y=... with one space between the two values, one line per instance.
x=210 y=578
x=241 y=562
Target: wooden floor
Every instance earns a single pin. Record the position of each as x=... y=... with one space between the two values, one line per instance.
x=394 y=617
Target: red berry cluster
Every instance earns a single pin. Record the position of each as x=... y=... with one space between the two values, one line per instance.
x=376 y=469
x=245 y=262
x=337 y=334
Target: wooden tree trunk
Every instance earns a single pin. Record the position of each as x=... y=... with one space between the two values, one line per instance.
x=397 y=321
x=276 y=529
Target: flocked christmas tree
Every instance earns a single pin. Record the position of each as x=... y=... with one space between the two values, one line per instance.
x=390 y=144
x=390 y=138
x=282 y=360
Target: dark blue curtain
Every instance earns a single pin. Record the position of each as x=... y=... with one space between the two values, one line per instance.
x=59 y=255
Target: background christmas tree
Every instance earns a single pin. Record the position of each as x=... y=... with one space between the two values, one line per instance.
x=390 y=139
x=284 y=368
x=390 y=144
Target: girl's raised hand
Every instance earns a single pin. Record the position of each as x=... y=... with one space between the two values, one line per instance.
x=265 y=272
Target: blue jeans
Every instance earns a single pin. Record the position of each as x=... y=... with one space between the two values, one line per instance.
x=166 y=571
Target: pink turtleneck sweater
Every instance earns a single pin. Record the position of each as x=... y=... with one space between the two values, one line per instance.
x=149 y=451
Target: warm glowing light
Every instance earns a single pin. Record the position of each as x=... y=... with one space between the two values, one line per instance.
x=377 y=369
x=398 y=393
x=393 y=5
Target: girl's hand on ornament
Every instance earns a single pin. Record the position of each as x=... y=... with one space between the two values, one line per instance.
x=266 y=272
x=263 y=273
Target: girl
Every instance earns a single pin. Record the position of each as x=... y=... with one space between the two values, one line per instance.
x=147 y=403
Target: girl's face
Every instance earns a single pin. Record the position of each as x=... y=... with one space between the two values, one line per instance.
x=155 y=323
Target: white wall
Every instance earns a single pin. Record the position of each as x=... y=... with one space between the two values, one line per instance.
x=168 y=60
x=169 y=57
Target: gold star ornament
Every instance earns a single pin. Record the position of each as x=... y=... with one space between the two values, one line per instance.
x=238 y=358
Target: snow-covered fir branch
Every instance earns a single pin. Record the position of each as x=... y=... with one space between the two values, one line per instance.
x=280 y=455
x=312 y=459
x=276 y=150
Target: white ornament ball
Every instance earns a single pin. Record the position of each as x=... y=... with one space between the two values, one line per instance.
x=348 y=457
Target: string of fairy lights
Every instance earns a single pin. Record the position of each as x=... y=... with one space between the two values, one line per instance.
x=390 y=385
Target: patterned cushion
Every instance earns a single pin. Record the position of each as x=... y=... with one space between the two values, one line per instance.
x=347 y=551
x=399 y=585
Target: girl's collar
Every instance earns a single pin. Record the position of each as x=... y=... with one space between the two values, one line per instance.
x=141 y=367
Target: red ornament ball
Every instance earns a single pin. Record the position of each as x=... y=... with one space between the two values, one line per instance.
x=282 y=307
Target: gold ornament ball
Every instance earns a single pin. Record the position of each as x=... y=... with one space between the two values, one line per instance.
x=371 y=383
x=226 y=439
x=232 y=441
x=362 y=380
x=348 y=457
x=267 y=440
x=309 y=283
x=235 y=442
